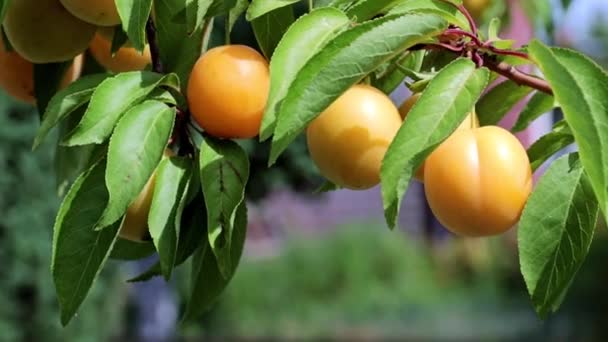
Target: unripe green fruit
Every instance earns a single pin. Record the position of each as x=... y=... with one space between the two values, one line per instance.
x=97 y=12
x=43 y=31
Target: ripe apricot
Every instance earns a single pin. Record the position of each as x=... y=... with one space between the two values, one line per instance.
x=227 y=91
x=97 y=12
x=125 y=59
x=349 y=139
x=135 y=225
x=43 y=31
x=471 y=121
x=17 y=75
x=478 y=181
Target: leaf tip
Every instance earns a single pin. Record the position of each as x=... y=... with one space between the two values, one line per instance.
x=66 y=317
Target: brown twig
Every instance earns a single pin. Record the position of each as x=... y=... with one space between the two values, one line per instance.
x=517 y=76
x=157 y=65
x=489 y=61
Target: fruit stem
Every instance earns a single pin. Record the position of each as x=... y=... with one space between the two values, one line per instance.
x=310 y=6
x=157 y=65
x=467 y=15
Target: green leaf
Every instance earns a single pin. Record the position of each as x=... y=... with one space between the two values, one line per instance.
x=327 y=187
x=70 y=162
x=3 y=7
x=442 y=107
x=497 y=102
x=494 y=29
x=345 y=61
x=301 y=41
x=239 y=8
x=111 y=99
x=539 y=104
x=5 y=43
x=549 y=144
x=366 y=9
x=258 y=8
x=196 y=10
x=66 y=101
x=340 y=4
x=192 y=235
x=47 y=79
x=398 y=70
x=220 y=7
x=224 y=171
x=207 y=280
x=439 y=7
x=579 y=85
x=555 y=232
x=119 y=39
x=135 y=149
x=128 y=250
x=179 y=48
x=172 y=177
x=134 y=16
x=164 y=96
x=79 y=252
x=270 y=27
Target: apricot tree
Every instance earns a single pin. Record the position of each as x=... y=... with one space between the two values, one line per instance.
x=321 y=67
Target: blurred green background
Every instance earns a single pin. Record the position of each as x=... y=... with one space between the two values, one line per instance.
x=357 y=280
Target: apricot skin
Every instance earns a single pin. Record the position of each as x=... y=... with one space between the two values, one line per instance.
x=125 y=59
x=43 y=31
x=478 y=181
x=227 y=91
x=96 y=12
x=17 y=75
x=135 y=224
x=349 y=139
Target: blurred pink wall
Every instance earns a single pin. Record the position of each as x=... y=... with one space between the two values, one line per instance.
x=521 y=30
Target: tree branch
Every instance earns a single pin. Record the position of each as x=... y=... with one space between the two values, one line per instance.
x=501 y=68
x=157 y=65
x=517 y=76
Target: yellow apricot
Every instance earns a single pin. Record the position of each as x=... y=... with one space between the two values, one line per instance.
x=125 y=59
x=17 y=75
x=227 y=91
x=478 y=181
x=349 y=139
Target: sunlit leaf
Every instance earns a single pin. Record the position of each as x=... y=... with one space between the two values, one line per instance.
x=555 y=232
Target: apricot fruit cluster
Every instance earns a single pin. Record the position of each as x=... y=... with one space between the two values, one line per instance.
x=53 y=31
x=476 y=182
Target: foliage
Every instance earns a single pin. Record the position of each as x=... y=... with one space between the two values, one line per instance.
x=26 y=288
x=359 y=279
x=125 y=122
